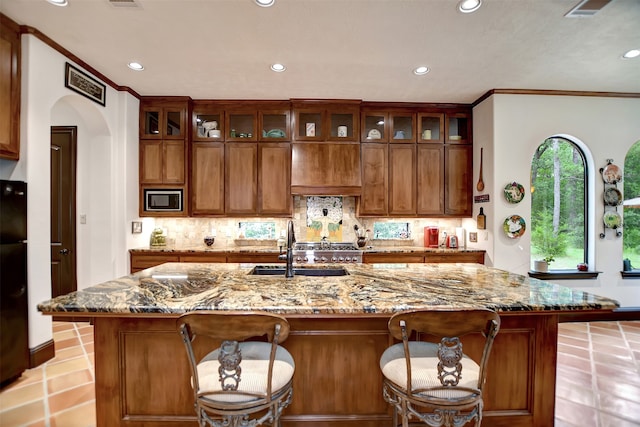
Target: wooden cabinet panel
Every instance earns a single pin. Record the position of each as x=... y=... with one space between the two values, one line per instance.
x=458 y=185
x=274 y=169
x=174 y=164
x=151 y=154
x=393 y=258
x=10 y=52
x=144 y=261
x=241 y=178
x=430 y=179
x=375 y=180
x=473 y=257
x=207 y=257
x=207 y=179
x=326 y=168
x=402 y=179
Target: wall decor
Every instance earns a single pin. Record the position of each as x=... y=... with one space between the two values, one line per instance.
x=136 y=227
x=514 y=192
x=612 y=198
x=84 y=84
x=514 y=226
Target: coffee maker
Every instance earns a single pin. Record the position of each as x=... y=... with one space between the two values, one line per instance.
x=431 y=235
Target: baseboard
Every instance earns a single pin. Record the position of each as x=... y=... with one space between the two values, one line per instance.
x=40 y=354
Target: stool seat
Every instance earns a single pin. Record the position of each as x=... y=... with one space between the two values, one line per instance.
x=255 y=368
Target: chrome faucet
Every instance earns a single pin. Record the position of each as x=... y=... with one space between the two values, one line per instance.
x=291 y=239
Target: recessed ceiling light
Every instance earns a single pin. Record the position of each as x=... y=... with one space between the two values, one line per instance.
x=265 y=3
x=59 y=2
x=278 y=68
x=420 y=71
x=468 y=6
x=135 y=66
x=633 y=53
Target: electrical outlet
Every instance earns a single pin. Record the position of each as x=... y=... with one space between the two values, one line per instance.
x=473 y=237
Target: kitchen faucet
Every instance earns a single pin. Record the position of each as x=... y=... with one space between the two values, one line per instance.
x=291 y=239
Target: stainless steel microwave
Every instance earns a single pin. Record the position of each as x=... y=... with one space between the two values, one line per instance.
x=162 y=200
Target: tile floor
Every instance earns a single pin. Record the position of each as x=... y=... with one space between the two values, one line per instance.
x=598 y=379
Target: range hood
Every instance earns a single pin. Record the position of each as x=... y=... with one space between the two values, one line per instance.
x=325 y=169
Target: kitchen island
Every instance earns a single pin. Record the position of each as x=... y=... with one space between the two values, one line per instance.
x=338 y=332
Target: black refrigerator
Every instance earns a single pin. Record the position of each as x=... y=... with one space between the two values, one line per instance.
x=14 y=334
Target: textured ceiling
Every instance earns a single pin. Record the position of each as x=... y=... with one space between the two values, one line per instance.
x=355 y=49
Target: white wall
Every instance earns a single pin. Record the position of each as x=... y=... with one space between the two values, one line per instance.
x=107 y=171
x=510 y=128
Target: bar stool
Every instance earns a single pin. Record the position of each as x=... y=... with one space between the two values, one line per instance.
x=241 y=377
x=437 y=384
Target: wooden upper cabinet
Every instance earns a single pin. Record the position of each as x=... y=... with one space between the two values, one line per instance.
x=337 y=121
x=10 y=53
x=274 y=124
x=388 y=126
x=241 y=124
x=430 y=179
x=274 y=179
x=162 y=162
x=207 y=121
x=458 y=185
x=375 y=180
x=163 y=119
x=458 y=128
x=430 y=127
x=402 y=179
x=241 y=178
x=207 y=178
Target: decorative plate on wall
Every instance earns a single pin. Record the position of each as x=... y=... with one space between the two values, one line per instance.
x=612 y=220
x=612 y=197
x=514 y=226
x=514 y=192
x=611 y=174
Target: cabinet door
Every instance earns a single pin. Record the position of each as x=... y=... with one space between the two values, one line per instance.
x=241 y=125
x=458 y=186
x=375 y=127
x=308 y=123
x=151 y=153
x=458 y=128
x=274 y=125
x=430 y=127
x=207 y=179
x=402 y=179
x=241 y=178
x=375 y=180
x=403 y=127
x=274 y=168
x=173 y=162
x=430 y=179
x=9 y=90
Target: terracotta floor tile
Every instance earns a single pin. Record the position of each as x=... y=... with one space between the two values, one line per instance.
x=68 y=342
x=72 y=397
x=581 y=335
x=579 y=415
x=608 y=420
x=21 y=395
x=80 y=416
x=77 y=364
x=621 y=358
x=608 y=340
x=575 y=342
x=618 y=407
x=67 y=353
x=64 y=335
x=40 y=423
x=582 y=395
x=582 y=353
x=23 y=415
x=70 y=380
x=574 y=362
x=620 y=389
x=62 y=326
x=574 y=377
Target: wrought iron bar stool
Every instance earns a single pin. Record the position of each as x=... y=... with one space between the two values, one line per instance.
x=242 y=383
x=436 y=383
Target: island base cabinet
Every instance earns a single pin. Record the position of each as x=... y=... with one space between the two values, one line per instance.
x=142 y=373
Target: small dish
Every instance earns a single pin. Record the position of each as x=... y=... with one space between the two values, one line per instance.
x=611 y=174
x=612 y=197
x=374 y=134
x=514 y=226
x=612 y=220
x=514 y=192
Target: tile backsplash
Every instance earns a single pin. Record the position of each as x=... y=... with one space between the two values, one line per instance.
x=190 y=232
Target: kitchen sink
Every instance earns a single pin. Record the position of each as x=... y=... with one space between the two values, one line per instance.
x=278 y=270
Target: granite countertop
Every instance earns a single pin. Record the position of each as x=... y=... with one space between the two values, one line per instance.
x=275 y=250
x=368 y=288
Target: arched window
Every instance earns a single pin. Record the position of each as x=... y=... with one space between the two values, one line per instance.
x=559 y=204
x=631 y=207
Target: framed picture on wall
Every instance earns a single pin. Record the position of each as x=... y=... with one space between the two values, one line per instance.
x=84 y=84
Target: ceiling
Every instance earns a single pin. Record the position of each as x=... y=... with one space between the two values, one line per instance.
x=345 y=49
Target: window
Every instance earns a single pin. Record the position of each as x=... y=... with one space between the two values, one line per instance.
x=257 y=230
x=559 y=204
x=631 y=207
x=391 y=230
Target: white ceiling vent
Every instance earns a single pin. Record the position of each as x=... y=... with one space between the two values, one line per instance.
x=587 y=8
x=124 y=3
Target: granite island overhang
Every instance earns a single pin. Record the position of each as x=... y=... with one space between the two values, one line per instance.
x=339 y=331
